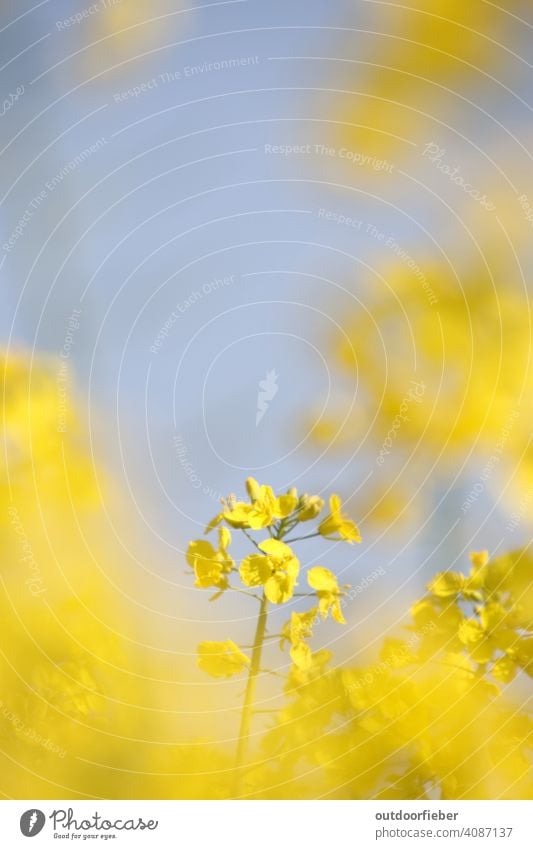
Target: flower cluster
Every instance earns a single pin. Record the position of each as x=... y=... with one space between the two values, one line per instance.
x=272 y=568
x=484 y=618
x=417 y=722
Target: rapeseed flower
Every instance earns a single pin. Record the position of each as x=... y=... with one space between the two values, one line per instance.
x=221 y=659
x=327 y=591
x=211 y=567
x=338 y=526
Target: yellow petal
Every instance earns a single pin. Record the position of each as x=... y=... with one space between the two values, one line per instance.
x=221 y=659
x=240 y=515
x=325 y=600
x=286 y=504
x=199 y=548
x=276 y=549
x=336 y=611
x=302 y=656
x=209 y=573
x=446 y=584
x=349 y=531
x=224 y=538
x=255 y=570
x=335 y=503
x=336 y=525
x=252 y=488
x=280 y=588
x=320 y=578
x=301 y=625
x=214 y=522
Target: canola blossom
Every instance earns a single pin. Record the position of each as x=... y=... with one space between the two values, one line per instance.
x=274 y=569
x=434 y=717
x=415 y=724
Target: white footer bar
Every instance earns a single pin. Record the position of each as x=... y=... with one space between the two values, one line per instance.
x=267 y=825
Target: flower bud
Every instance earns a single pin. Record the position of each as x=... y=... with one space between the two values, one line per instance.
x=252 y=488
x=311 y=507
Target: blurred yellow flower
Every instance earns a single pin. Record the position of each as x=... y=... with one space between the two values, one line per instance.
x=418 y=723
x=479 y=559
x=448 y=584
x=470 y=397
x=221 y=659
x=410 y=68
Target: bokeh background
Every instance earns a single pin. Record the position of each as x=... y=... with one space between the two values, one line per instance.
x=332 y=200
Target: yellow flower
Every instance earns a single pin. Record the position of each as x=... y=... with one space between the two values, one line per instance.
x=211 y=566
x=242 y=515
x=221 y=659
x=302 y=656
x=447 y=584
x=255 y=570
x=314 y=669
x=300 y=626
x=265 y=508
x=216 y=520
x=280 y=586
x=328 y=593
x=336 y=525
x=451 y=584
x=276 y=570
x=473 y=636
x=237 y=514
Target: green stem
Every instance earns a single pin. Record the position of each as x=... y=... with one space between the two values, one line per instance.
x=307 y=536
x=244 y=592
x=252 y=540
x=247 y=708
x=267 y=637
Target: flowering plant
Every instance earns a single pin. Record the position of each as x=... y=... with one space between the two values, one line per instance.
x=270 y=574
